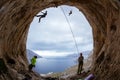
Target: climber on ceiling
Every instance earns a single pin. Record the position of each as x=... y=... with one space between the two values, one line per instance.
x=42 y=16
x=70 y=12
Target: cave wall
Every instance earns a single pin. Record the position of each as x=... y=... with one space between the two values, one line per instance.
x=103 y=16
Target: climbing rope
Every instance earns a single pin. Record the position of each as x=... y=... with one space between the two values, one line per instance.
x=70 y=29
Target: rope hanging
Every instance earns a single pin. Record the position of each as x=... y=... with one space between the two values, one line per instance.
x=70 y=30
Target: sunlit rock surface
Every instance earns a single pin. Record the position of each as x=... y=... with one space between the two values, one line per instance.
x=16 y=16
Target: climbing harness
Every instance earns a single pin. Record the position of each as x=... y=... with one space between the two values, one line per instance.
x=70 y=29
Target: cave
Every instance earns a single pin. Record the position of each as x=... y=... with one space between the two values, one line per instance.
x=15 y=19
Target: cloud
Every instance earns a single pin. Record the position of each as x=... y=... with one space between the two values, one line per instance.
x=53 y=32
x=51 y=53
x=58 y=47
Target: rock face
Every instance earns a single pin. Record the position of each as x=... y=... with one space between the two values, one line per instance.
x=103 y=16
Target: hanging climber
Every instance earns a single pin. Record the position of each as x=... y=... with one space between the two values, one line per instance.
x=33 y=62
x=70 y=12
x=80 y=65
x=42 y=16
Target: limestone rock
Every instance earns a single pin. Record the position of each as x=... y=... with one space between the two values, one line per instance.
x=103 y=16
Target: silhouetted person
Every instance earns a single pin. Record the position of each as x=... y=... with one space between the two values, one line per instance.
x=42 y=16
x=33 y=62
x=70 y=12
x=80 y=65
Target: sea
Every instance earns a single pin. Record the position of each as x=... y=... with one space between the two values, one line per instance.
x=54 y=64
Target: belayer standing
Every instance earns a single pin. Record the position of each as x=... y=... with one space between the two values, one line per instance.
x=80 y=65
x=33 y=62
x=42 y=16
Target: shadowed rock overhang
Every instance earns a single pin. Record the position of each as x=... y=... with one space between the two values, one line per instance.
x=103 y=16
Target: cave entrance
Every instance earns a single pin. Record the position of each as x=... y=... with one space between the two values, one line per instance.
x=52 y=38
x=103 y=16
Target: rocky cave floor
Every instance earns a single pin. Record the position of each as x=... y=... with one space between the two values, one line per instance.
x=73 y=77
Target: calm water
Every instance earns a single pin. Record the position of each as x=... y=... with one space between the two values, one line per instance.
x=46 y=65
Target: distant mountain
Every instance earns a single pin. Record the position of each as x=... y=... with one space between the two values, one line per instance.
x=75 y=55
x=30 y=54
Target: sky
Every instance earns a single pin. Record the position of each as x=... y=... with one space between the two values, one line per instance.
x=52 y=36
